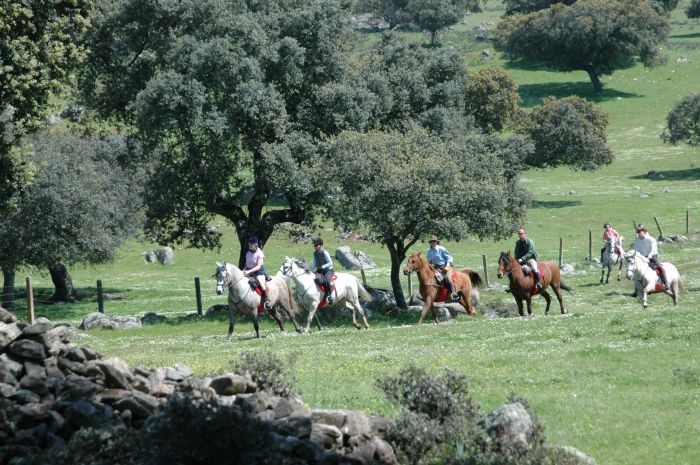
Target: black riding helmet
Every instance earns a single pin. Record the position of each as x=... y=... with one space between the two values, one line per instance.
x=318 y=241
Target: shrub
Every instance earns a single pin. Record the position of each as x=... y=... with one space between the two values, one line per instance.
x=267 y=370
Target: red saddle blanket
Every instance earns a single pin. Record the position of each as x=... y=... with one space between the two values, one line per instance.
x=534 y=290
x=257 y=290
x=323 y=290
x=659 y=285
x=443 y=293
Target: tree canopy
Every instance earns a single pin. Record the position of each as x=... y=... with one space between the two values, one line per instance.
x=693 y=10
x=80 y=208
x=569 y=131
x=39 y=46
x=521 y=7
x=406 y=186
x=596 y=36
x=683 y=122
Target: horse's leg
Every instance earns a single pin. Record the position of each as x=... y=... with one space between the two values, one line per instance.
x=318 y=323
x=352 y=311
x=361 y=310
x=465 y=299
x=557 y=292
x=256 y=325
x=602 y=271
x=426 y=306
x=529 y=306
x=607 y=278
x=274 y=313
x=519 y=301
x=312 y=312
x=232 y=323
x=619 y=270
x=676 y=290
x=548 y=299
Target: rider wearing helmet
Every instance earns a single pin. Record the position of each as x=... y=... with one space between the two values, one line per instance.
x=323 y=267
x=254 y=259
x=608 y=232
x=440 y=258
x=646 y=245
x=525 y=253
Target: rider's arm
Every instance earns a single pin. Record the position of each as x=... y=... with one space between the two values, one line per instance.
x=329 y=262
x=447 y=258
x=654 y=248
x=530 y=248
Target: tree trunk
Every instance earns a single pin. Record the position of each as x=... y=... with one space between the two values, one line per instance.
x=398 y=253
x=597 y=85
x=433 y=38
x=8 y=287
x=63 y=284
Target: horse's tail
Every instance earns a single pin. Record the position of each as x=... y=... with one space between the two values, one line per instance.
x=474 y=277
x=362 y=292
x=680 y=285
x=293 y=307
x=565 y=287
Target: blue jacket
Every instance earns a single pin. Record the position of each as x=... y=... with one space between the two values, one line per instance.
x=439 y=256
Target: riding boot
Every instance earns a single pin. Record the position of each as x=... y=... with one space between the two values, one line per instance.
x=265 y=301
x=662 y=276
x=451 y=287
x=536 y=274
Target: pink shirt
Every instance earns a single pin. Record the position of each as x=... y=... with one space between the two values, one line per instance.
x=608 y=233
x=251 y=258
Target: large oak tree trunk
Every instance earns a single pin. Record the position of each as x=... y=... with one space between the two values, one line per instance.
x=597 y=85
x=63 y=284
x=8 y=287
x=398 y=253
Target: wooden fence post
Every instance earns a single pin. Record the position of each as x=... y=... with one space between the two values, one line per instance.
x=561 y=251
x=634 y=226
x=100 y=297
x=590 y=245
x=687 y=223
x=364 y=279
x=661 y=233
x=198 y=295
x=410 y=286
x=486 y=271
x=30 y=300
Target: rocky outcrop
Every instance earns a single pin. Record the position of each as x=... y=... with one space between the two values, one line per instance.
x=54 y=388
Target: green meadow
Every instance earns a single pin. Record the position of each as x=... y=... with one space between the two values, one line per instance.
x=615 y=381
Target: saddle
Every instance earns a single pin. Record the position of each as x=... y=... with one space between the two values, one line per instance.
x=527 y=271
x=658 y=286
x=255 y=286
x=322 y=287
x=442 y=283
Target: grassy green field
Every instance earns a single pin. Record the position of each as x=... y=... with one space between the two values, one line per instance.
x=617 y=382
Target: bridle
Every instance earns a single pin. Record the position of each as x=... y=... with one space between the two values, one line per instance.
x=288 y=270
x=229 y=283
x=507 y=264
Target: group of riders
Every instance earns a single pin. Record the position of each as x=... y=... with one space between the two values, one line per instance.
x=441 y=260
x=321 y=264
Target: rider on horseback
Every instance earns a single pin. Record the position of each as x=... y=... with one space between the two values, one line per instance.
x=646 y=245
x=254 y=267
x=440 y=259
x=323 y=266
x=608 y=232
x=525 y=253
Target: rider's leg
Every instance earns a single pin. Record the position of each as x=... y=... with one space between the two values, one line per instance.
x=536 y=273
x=328 y=275
x=662 y=275
x=263 y=285
x=447 y=272
x=601 y=254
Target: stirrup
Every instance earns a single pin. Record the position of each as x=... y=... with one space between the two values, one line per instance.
x=454 y=296
x=267 y=305
x=329 y=300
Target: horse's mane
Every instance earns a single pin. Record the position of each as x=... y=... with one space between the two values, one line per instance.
x=301 y=263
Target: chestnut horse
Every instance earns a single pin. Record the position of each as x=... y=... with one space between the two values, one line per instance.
x=523 y=287
x=431 y=291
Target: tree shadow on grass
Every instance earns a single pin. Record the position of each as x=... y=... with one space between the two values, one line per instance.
x=555 y=203
x=533 y=94
x=690 y=174
x=694 y=35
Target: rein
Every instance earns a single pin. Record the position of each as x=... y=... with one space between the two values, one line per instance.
x=232 y=283
x=296 y=277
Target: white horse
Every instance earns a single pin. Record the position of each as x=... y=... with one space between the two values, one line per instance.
x=243 y=299
x=611 y=257
x=646 y=281
x=348 y=290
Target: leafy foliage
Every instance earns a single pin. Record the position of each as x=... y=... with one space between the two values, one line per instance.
x=596 y=36
x=392 y=11
x=693 y=10
x=435 y=15
x=406 y=186
x=520 y=7
x=491 y=98
x=569 y=131
x=39 y=48
x=683 y=122
x=81 y=206
x=267 y=370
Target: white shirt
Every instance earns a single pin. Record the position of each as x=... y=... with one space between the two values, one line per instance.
x=646 y=246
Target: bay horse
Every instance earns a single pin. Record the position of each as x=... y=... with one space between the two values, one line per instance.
x=242 y=299
x=348 y=291
x=646 y=280
x=431 y=291
x=523 y=287
x=612 y=256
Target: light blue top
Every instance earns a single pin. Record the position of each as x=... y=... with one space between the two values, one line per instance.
x=439 y=256
x=324 y=266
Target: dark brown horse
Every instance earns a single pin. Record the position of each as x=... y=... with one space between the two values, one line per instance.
x=431 y=291
x=523 y=287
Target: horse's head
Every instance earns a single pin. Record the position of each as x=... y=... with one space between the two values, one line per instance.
x=286 y=267
x=631 y=263
x=415 y=262
x=505 y=264
x=220 y=277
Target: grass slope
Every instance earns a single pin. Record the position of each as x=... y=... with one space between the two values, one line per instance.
x=610 y=379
